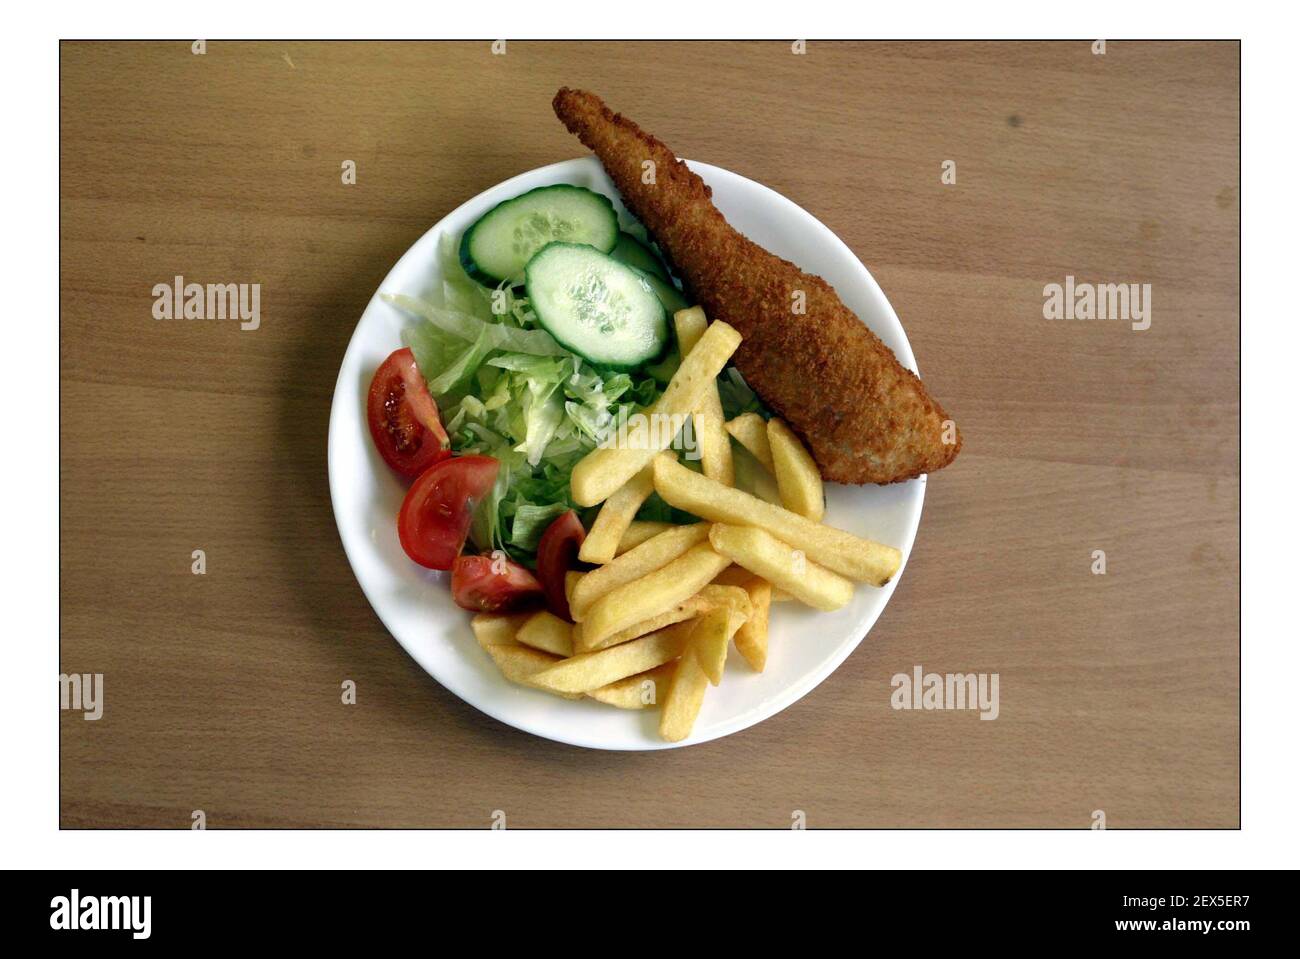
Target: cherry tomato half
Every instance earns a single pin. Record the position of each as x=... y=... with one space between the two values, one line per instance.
x=403 y=417
x=493 y=584
x=557 y=553
x=435 y=517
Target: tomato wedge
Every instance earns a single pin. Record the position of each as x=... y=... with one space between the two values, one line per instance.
x=557 y=553
x=493 y=584
x=435 y=517
x=403 y=417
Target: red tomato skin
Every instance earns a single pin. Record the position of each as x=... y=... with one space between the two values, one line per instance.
x=435 y=517
x=557 y=553
x=478 y=587
x=403 y=417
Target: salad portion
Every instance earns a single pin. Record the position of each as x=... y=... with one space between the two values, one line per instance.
x=608 y=494
x=549 y=328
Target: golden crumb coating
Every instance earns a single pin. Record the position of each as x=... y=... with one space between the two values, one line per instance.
x=865 y=418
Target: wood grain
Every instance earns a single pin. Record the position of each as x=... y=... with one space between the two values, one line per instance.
x=1118 y=692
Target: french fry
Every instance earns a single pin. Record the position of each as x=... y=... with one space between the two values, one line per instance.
x=841 y=552
x=750 y=431
x=706 y=599
x=651 y=594
x=547 y=632
x=751 y=638
x=797 y=476
x=638 y=532
x=616 y=516
x=587 y=671
x=753 y=477
x=690 y=325
x=739 y=576
x=642 y=691
x=497 y=629
x=602 y=471
x=684 y=699
x=760 y=552
x=520 y=664
x=571 y=579
x=734 y=575
x=651 y=555
x=710 y=430
x=711 y=637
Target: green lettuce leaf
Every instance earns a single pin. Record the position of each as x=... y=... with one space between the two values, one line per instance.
x=506 y=388
x=530 y=522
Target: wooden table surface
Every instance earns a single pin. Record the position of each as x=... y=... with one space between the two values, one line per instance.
x=222 y=691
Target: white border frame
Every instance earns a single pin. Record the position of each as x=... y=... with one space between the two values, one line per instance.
x=1271 y=657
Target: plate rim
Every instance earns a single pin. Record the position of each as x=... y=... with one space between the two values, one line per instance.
x=767 y=707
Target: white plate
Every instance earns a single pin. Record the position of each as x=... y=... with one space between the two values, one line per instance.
x=414 y=603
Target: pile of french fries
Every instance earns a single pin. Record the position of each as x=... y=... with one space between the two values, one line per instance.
x=653 y=621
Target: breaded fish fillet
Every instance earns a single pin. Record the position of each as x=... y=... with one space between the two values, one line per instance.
x=865 y=418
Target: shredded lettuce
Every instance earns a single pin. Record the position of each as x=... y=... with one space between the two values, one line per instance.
x=496 y=335
x=530 y=522
x=506 y=389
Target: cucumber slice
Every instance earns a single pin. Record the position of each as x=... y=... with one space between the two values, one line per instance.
x=502 y=241
x=669 y=295
x=640 y=257
x=601 y=309
x=633 y=252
